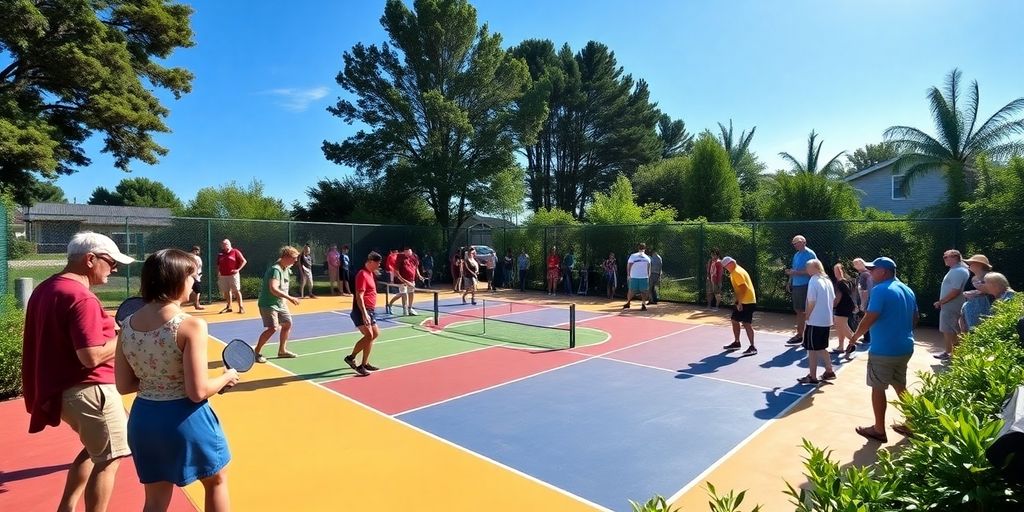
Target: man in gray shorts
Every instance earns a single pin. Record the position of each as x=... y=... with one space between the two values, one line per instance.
x=273 y=309
x=951 y=299
x=891 y=317
x=798 y=281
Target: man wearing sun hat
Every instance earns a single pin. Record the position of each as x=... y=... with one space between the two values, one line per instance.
x=891 y=317
x=68 y=367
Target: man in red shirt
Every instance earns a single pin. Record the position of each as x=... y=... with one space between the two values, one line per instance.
x=389 y=266
x=363 y=316
x=68 y=368
x=407 y=271
x=229 y=265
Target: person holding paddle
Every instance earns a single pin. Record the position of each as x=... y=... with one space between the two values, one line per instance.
x=364 y=300
x=273 y=309
x=173 y=433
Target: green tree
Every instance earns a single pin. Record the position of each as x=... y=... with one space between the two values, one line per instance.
x=957 y=145
x=711 y=189
x=809 y=196
x=601 y=123
x=231 y=201
x=832 y=168
x=46 y=192
x=362 y=201
x=870 y=154
x=675 y=140
x=73 y=70
x=992 y=219
x=744 y=162
x=148 y=193
x=551 y=217
x=663 y=182
x=508 y=195
x=619 y=206
x=443 y=105
x=103 y=196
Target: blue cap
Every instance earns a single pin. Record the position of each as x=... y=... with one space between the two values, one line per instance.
x=883 y=262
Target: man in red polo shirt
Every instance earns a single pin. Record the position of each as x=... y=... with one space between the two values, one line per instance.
x=363 y=301
x=229 y=266
x=407 y=271
x=389 y=265
x=68 y=368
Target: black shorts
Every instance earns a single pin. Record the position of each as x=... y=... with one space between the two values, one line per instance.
x=357 y=317
x=197 y=287
x=816 y=337
x=746 y=316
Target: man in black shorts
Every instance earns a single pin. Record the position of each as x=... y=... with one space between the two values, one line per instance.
x=746 y=304
x=363 y=301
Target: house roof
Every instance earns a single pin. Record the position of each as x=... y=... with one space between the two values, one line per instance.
x=493 y=222
x=96 y=214
x=869 y=170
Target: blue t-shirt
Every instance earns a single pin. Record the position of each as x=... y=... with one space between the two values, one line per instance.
x=568 y=261
x=344 y=261
x=800 y=260
x=892 y=334
x=524 y=262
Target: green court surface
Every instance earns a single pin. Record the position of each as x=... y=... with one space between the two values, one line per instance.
x=321 y=358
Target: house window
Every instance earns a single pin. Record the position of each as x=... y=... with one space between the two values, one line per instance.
x=897 y=187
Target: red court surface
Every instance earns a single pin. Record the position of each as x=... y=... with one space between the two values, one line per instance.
x=32 y=476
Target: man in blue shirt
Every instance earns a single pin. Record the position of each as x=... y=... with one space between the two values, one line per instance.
x=567 y=263
x=798 y=280
x=523 y=262
x=891 y=317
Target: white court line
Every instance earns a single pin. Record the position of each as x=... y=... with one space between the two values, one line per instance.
x=699 y=478
x=585 y=359
x=375 y=343
x=335 y=334
x=719 y=379
x=435 y=437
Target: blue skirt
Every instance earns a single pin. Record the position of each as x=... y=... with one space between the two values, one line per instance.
x=177 y=441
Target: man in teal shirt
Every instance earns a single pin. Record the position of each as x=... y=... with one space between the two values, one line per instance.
x=798 y=280
x=273 y=308
x=891 y=317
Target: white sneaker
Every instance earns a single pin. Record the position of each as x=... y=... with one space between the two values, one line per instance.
x=412 y=312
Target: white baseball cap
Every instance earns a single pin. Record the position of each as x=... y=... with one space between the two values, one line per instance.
x=96 y=243
x=727 y=260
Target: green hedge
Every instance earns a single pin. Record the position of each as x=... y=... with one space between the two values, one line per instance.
x=955 y=417
x=12 y=324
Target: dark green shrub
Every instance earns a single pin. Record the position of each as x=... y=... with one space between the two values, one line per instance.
x=12 y=324
x=19 y=248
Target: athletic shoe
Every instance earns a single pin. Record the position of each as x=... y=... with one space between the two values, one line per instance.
x=387 y=310
x=351 y=362
x=473 y=302
x=287 y=355
x=943 y=356
x=625 y=306
x=412 y=312
x=733 y=346
x=750 y=351
x=260 y=358
x=643 y=307
x=795 y=340
x=361 y=370
x=370 y=367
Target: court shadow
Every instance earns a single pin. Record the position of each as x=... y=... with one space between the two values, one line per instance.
x=254 y=385
x=709 y=364
x=786 y=359
x=24 y=474
x=778 y=399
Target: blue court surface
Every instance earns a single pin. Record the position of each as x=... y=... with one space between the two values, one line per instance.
x=629 y=424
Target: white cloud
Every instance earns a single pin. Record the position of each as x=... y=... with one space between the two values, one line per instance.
x=296 y=99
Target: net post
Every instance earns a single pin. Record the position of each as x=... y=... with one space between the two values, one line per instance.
x=572 y=325
x=484 y=316
x=437 y=323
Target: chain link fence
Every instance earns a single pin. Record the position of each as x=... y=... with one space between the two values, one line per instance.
x=761 y=247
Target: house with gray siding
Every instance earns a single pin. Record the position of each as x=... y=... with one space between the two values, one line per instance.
x=51 y=225
x=880 y=188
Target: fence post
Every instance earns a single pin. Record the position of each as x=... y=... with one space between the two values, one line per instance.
x=127 y=268
x=757 y=275
x=701 y=249
x=211 y=267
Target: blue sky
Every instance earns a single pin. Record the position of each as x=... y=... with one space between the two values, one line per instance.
x=848 y=69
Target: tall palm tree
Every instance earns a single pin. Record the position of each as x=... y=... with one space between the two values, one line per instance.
x=957 y=145
x=833 y=168
x=735 y=148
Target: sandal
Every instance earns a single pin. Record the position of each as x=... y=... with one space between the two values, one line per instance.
x=287 y=355
x=903 y=430
x=828 y=376
x=872 y=434
x=225 y=310
x=851 y=349
x=807 y=379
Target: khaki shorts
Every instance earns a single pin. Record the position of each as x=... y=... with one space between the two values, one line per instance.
x=949 y=317
x=232 y=283
x=96 y=413
x=332 y=273
x=274 y=317
x=885 y=371
x=714 y=288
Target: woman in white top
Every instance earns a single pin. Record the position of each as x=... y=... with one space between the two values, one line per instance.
x=821 y=295
x=174 y=435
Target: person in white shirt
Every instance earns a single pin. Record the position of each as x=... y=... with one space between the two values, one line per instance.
x=638 y=268
x=820 y=297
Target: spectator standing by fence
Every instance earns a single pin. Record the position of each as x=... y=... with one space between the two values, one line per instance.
x=656 y=265
x=568 y=262
x=798 y=280
x=554 y=264
x=306 y=272
x=508 y=263
x=611 y=271
x=197 y=284
x=638 y=268
x=427 y=264
x=523 y=262
x=714 y=279
x=951 y=300
x=230 y=262
x=334 y=269
x=864 y=285
x=67 y=368
x=844 y=306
